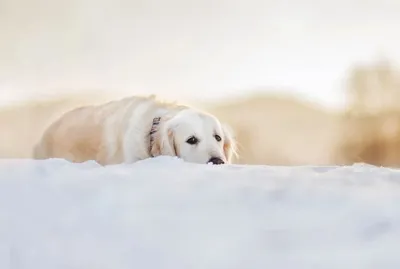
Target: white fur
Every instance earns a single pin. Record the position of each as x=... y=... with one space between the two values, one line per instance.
x=118 y=132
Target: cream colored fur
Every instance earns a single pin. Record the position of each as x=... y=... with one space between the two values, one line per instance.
x=118 y=132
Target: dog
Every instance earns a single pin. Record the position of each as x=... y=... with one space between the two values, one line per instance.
x=136 y=128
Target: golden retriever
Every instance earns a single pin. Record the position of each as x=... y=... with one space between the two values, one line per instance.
x=136 y=128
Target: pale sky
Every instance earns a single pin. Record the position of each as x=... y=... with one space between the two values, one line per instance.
x=191 y=49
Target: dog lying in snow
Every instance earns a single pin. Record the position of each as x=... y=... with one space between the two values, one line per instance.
x=136 y=128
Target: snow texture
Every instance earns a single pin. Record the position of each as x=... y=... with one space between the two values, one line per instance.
x=164 y=213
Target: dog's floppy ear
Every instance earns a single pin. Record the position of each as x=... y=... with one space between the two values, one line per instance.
x=164 y=142
x=230 y=145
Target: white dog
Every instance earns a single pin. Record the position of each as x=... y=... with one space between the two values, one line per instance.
x=136 y=128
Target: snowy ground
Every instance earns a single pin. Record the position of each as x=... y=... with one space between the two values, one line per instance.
x=163 y=213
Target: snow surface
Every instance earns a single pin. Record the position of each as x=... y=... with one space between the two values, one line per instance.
x=164 y=213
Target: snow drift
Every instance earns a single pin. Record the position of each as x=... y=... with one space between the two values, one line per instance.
x=163 y=213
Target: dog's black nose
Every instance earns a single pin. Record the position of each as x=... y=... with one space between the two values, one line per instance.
x=215 y=160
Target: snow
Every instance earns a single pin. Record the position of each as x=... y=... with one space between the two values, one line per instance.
x=164 y=213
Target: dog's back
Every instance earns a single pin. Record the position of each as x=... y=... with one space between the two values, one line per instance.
x=95 y=132
x=78 y=134
x=74 y=134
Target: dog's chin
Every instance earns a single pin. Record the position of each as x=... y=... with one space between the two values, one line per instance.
x=210 y=163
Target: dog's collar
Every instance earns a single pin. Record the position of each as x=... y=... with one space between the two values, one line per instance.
x=153 y=130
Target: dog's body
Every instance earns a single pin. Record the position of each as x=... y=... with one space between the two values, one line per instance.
x=136 y=128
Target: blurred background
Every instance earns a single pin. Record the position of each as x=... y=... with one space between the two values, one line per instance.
x=300 y=81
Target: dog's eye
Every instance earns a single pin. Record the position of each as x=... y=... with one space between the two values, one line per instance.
x=192 y=140
x=217 y=137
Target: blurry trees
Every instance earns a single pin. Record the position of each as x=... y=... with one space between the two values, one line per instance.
x=371 y=132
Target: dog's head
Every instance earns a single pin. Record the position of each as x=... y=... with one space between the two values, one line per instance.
x=195 y=137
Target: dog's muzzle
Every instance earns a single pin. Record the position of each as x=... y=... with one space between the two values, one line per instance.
x=215 y=160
